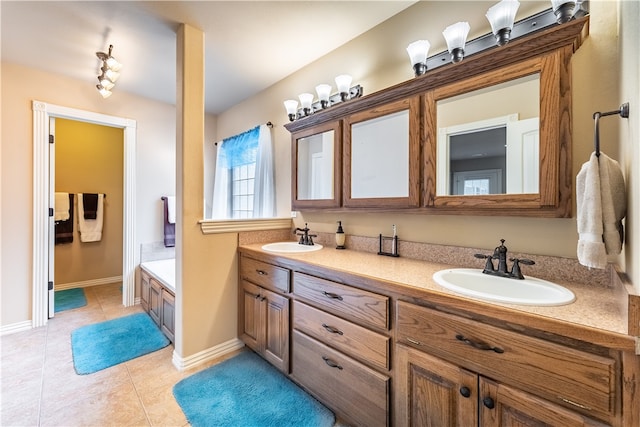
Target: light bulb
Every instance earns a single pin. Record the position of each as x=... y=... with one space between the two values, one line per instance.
x=305 y=101
x=456 y=37
x=343 y=82
x=418 y=51
x=501 y=17
x=324 y=91
x=291 y=105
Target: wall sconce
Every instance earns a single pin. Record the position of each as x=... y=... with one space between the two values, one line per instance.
x=563 y=10
x=456 y=37
x=343 y=82
x=418 y=52
x=291 y=105
x=324 y=92
x=501 y=17
x=109 y=72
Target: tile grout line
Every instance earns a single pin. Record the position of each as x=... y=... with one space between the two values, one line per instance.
x=44 y=362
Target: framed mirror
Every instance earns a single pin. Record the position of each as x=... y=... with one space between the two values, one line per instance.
x=316 y=157
x=500 y=141
x=381 y=156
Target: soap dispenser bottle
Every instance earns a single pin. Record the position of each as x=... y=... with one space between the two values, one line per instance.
x=340 y=236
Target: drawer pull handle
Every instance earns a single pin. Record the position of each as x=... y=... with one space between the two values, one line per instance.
x=478 y=345
x=257 y=296
x=332 y=329
x=331 y=363
x=571 y=402
x=262 y=272
x=412 y=341
x=332 y=295
x=465 y=392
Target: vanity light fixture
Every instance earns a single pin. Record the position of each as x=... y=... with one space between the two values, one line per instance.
x=418 y=52
x=343 y=82
x=291 y=105
x=109 y=72
x=324 y=92
x=325 y=99
x=456 y=37
x=501 y=17
x=563 y=10
x=305 y=101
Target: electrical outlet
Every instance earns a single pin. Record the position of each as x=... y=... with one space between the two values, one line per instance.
x=294 y=214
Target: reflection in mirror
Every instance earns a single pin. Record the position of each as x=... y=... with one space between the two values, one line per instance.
x=380 y=157
x=315 y=166
x=488 y=140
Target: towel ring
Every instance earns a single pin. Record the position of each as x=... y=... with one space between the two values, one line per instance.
x=623 y=112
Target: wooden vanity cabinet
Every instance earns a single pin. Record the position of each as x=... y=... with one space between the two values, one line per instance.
x=341 y=348
x=264 y=314
x=434 y=392
x=504 y=377
x=159 y=303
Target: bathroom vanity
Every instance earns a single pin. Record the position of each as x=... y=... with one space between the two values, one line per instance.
x=380 y=343
x=157 y=294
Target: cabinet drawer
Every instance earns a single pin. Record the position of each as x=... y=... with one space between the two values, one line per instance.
x=361 y=343
x=356 y=304
x=356 y=392
x=266 y=275
x=583 y=380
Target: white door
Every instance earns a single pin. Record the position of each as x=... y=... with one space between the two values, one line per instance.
x=523 y=156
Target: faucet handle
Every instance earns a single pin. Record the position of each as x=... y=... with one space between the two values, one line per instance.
x=488 y=267
x=515 y=269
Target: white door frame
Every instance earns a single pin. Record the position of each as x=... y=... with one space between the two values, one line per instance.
x=42 y=112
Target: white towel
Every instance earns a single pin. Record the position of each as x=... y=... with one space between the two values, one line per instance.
x=601 y=205
x=90 y=229
x=61 y=207
x=171 y=209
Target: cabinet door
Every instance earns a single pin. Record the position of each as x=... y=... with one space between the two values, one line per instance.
x=276 y=326
x=504 y=406
x=155 y=302
x=432 y=392
x=144 y=291
x=167 y=323
x=252 y=331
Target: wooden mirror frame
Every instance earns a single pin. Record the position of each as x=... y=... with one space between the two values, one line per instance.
x=554 y=196
x=297 y=204
x=412 y=105
x=553 y=46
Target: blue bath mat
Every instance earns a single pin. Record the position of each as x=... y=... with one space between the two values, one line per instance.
x=69 y=299
x=102 y=345
x=247 y=391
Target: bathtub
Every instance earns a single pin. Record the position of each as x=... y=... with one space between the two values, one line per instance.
x=164 y=271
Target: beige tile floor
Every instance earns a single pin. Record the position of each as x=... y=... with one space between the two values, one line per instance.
x=41 y=388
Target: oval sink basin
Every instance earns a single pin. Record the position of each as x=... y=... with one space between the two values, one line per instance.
x=530 y=291
x=290 y=247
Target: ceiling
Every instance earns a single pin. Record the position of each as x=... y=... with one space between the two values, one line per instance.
x=249 y=45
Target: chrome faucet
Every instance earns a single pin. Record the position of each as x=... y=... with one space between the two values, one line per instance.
x=305 y=237
x=500 y=253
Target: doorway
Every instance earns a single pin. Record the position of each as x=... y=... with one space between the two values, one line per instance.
x=42 y=203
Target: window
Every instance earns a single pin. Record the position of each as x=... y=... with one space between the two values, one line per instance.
x=244 y=184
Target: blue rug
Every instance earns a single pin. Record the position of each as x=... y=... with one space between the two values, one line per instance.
x=69 y=299
x=247 y=391
x=102 y=345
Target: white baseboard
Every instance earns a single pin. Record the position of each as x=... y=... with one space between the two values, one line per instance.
x=182 y=363
x=15 y=327
x=87 y=283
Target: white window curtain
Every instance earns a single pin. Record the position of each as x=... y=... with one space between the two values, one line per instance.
x=251 y=146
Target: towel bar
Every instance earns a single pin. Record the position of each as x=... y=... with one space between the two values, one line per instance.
x=623 y=112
